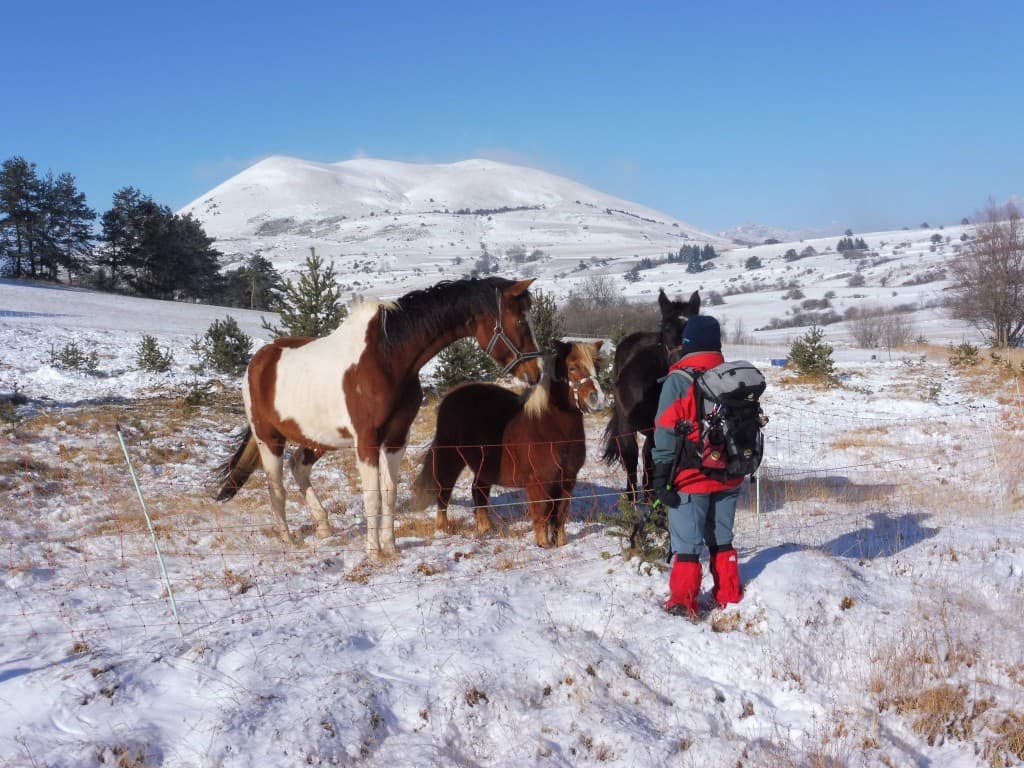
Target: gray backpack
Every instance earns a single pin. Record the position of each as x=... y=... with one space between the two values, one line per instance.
x=731 y=443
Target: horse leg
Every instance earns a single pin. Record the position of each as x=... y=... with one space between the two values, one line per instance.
x=448 y=465
x=302 y=464
x=629 y=453
x=369 y=475
x=540 y=506
x=481 y=503
x=561 y=513
x=272 y=457
x=390 y=462
x=648 y=490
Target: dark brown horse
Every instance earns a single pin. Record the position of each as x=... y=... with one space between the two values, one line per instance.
x=359 y=386
x=641 y=361
x=533 y=440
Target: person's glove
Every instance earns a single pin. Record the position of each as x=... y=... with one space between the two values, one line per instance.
x=664 y=485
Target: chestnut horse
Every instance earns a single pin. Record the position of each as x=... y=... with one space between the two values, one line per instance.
x=532 y=440
x=359 y=386
x=641 y=362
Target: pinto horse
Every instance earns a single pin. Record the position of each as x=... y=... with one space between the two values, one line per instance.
x=359 y=386
x=641 y=362
x=532 y=440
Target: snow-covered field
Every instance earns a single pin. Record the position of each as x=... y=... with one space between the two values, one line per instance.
x=883 y=556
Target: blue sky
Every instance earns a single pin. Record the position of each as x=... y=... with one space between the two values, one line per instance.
x=872 y=115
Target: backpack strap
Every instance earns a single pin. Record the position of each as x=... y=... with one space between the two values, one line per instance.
x=689 y=456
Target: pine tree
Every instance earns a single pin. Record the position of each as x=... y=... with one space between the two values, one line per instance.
x=546 y=319
x=121 y=232
x=254 y=285
x=313 y=306
x=156 y=252
x=694 y=263
x=20 y=196
x=69 y=224
x=812 y=355
x=226 y=347
x=462 y=361
x=197 y=274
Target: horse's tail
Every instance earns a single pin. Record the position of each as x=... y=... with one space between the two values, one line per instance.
x=425 y=487
x=232 y=474
x=612 y=449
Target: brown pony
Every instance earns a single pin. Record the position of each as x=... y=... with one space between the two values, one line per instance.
x=359 y=386
x=532 y=440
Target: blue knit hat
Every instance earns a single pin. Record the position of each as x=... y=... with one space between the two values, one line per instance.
x=702 y=334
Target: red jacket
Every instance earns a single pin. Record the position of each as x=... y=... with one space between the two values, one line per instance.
x=677 y=403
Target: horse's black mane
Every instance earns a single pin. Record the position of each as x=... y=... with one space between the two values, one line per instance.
x=437 y=309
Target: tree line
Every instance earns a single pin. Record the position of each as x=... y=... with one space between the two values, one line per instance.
x=48 y=232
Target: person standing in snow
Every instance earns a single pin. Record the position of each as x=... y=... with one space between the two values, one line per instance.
x=700 y=509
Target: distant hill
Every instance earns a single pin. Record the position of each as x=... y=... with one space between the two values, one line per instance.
x=414 y=221
x=756 y=234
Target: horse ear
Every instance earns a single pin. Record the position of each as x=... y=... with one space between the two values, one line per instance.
x=695 y=302
x=519 y=287
x=597 y=345
x=664 y=302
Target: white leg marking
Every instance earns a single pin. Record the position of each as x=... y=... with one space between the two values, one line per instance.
x=370 y=476
x=390 y=463
x=273 y=465
x=301 y=473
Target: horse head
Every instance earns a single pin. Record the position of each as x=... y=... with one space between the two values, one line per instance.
x=577 y=364
x=507 y=335
x=673 y=321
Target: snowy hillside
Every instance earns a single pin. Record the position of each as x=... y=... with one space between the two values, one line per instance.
x=411 y=221
x=390 y=227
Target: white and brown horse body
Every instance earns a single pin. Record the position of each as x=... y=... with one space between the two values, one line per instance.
x=359 y=386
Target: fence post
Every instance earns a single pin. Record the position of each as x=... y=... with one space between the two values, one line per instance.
x=995 y=463
x=152 y=533
x=757 y=506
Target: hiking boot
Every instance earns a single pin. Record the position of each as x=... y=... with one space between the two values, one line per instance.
x=726 y=575
x=683 y=586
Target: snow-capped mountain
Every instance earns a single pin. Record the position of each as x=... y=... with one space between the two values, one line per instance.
x=409 y=219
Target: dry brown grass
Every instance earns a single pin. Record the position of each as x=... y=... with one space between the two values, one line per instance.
x=865 y=441
x=940 y=677
x=1006 y=746
x=726 y=621
x=423 y=526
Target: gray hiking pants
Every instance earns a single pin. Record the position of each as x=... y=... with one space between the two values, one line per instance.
x=702 y=518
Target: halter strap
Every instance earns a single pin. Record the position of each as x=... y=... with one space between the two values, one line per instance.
x=499 y=335
x=576 y=386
